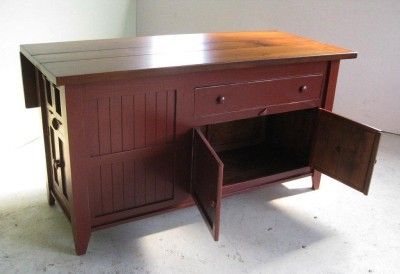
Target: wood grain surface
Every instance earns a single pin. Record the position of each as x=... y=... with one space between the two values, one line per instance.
x=99 y=60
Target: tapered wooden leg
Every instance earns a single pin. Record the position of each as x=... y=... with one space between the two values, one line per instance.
x=81 y=239
x=78 y=195
x=50 y=197
x=316 y=178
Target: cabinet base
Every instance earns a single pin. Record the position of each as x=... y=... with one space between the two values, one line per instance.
x=81 y=243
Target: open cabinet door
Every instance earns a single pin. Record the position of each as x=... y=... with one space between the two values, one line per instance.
x=207 y=181
x=345 y=150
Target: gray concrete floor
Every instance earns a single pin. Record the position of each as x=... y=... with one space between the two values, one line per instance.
x=281 y=228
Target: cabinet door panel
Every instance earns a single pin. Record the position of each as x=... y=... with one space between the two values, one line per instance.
x=207 y=181
x=345 y=150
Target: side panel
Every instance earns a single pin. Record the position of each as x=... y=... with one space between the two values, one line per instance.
x=122 y=122
x=141 y=180
x=131 y=148
x=52 y=101
x=40 y=83
x=207 y=181
x=345 y=150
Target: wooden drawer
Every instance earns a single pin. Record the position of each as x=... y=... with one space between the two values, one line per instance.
x=223 y=99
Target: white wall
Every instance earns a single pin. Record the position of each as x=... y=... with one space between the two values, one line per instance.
x=368 y=88
x=39 y=21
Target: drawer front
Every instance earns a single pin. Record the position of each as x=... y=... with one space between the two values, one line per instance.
x=216 y=100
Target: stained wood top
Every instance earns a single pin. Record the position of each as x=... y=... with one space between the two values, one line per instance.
x=97 y=60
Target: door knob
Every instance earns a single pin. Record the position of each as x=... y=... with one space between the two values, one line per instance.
x=221 y=99
x=55 y=123
x=303 y=88
x=58 y=164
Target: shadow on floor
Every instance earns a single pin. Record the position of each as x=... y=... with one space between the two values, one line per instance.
x=250 y=217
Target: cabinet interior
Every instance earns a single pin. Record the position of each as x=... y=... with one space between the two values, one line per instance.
x=262 y=146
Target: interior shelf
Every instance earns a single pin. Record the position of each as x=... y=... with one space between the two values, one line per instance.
x=247 y=163
x=260 y=147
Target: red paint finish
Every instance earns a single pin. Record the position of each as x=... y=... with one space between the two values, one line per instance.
x=207 y=181
x=118 y=123
x=129 y=121
x=261 y=93
x=131 y=183
x=345 y=150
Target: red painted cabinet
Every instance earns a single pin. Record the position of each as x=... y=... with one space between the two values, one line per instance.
x=131 y=135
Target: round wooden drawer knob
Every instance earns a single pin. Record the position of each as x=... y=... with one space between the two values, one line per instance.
x=221 y=99
x=303 y=88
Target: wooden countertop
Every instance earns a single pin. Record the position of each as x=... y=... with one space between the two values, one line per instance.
x=99 y=60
